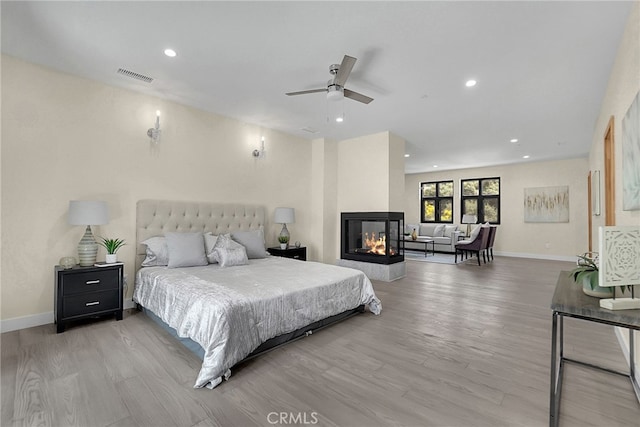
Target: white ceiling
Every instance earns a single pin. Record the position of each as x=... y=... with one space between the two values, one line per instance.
x=542 y=67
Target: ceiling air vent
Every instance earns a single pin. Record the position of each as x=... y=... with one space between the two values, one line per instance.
x=134 y=75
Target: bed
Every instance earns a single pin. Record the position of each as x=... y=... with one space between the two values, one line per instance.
x=227 y=313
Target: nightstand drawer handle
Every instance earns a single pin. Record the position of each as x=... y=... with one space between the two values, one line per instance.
x=92 y=303
x=92 y=282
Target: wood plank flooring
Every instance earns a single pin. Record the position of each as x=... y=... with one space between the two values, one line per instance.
x=455 y=345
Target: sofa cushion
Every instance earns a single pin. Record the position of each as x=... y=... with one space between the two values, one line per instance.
x=427 y=229
x=442 y=240
x=449 y=229
x=438 y=231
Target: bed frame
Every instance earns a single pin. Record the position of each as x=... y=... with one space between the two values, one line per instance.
x=156 y=217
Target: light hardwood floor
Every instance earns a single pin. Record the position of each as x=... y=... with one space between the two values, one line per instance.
x=455 y=345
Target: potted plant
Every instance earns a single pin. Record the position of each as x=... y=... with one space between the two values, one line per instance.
x=112 y=246
x=283 y=241
x=586 y=274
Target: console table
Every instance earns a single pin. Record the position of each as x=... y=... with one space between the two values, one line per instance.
x=570 y=301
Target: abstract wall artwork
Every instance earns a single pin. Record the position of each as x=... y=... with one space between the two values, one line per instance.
x=631 y=157
x=546 y=204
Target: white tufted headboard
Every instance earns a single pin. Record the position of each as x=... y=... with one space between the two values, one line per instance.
x=155 y=217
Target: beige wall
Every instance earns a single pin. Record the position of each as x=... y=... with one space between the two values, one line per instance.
x=66 y=138
x=624 y=84
x=324 y=190
x=515 y=237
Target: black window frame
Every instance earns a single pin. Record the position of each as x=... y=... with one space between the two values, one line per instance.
x=480 y=198
x=437 y=199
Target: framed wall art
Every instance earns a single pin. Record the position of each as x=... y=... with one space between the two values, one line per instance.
x=631 y=157
x=546 y=204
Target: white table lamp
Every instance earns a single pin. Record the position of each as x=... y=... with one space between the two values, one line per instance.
x=469 y=219
x=284 y=216
x=88 y=212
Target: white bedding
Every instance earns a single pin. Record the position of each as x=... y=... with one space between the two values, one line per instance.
x=231 y=311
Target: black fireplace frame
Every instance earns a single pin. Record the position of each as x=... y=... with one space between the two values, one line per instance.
x=387 y=217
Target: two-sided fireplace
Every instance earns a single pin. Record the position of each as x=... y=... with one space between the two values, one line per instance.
x=372 y=237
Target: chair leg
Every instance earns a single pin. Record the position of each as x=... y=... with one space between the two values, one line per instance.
x=456 y=256
x=478 y=253
x=491 y=249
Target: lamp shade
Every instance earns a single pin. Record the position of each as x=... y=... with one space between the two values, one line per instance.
x=88 y=212
x=469 y=219
x=284 y=216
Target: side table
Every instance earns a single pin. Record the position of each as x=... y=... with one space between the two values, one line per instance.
x=291 y=252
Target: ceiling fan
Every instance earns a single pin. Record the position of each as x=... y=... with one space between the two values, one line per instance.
x=335 y=87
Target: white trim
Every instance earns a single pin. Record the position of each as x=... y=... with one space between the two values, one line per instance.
x=25 y=322
x=537 y=256
x=622 y=334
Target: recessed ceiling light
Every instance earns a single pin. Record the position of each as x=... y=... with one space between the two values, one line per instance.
x=407 y=155
x=339 y=119
x=514 y=140
x=170 y=53
x=435 y=166
x=526 y=156
x=470 y=83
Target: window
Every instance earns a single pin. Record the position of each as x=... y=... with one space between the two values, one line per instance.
x=436 y=201
x=481 y=197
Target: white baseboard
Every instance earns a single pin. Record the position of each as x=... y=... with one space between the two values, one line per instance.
x=25 y=322
x=537 y=256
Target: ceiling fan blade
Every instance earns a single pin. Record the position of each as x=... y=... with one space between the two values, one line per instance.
x=357 y=96
x=344 y=70
x=303 y=92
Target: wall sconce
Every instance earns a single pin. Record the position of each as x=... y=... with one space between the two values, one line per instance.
x=154 y=132
x=259 y=153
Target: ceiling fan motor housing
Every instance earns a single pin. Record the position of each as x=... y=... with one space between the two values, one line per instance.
x=335 y=92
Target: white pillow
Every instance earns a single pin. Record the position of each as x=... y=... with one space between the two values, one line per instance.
x=253 y=242
x=157 y=252
x=475 y=232
x=439 y=230
x=449 y=229
x=230 y=257
x=209 y=245
x=186 y=249
x=225 y=242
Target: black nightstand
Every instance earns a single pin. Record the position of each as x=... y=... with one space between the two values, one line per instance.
x=82 y=292
x=291 y=252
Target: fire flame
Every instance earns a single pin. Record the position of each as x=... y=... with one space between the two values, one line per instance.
x=377 y=246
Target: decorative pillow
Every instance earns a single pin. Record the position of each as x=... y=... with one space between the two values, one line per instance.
x=209 y=245
x=449 y=229
x=475 y=232
x=157 y=252
x=186 y=249
x=253 y=242
x=439 y=230
x=230 y=257
x=225 y=242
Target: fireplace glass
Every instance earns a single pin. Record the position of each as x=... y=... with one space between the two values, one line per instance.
x=372 y=237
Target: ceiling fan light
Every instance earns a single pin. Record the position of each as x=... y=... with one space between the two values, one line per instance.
x=334 y=93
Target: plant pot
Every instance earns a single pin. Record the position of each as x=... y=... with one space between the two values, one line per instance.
x=111 y=258
x=283 y=246
x=598 y=292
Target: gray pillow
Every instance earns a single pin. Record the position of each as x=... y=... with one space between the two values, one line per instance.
x=224 y=241
x=230 y=257
x=157 y=252
x=253 y=242
x=186 y=249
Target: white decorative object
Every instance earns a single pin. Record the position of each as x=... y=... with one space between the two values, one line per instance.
x=88 y=212
x=283 y=246
x=620 y=264
x=111 y=258
x=155 y=132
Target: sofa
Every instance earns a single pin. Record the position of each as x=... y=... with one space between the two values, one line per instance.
x=444 y=236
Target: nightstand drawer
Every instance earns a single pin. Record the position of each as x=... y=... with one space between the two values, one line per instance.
x=93 y=302
x=90 y=281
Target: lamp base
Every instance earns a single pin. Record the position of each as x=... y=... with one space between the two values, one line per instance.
x=87 y=249
x=284 y=232
x=620 y=303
